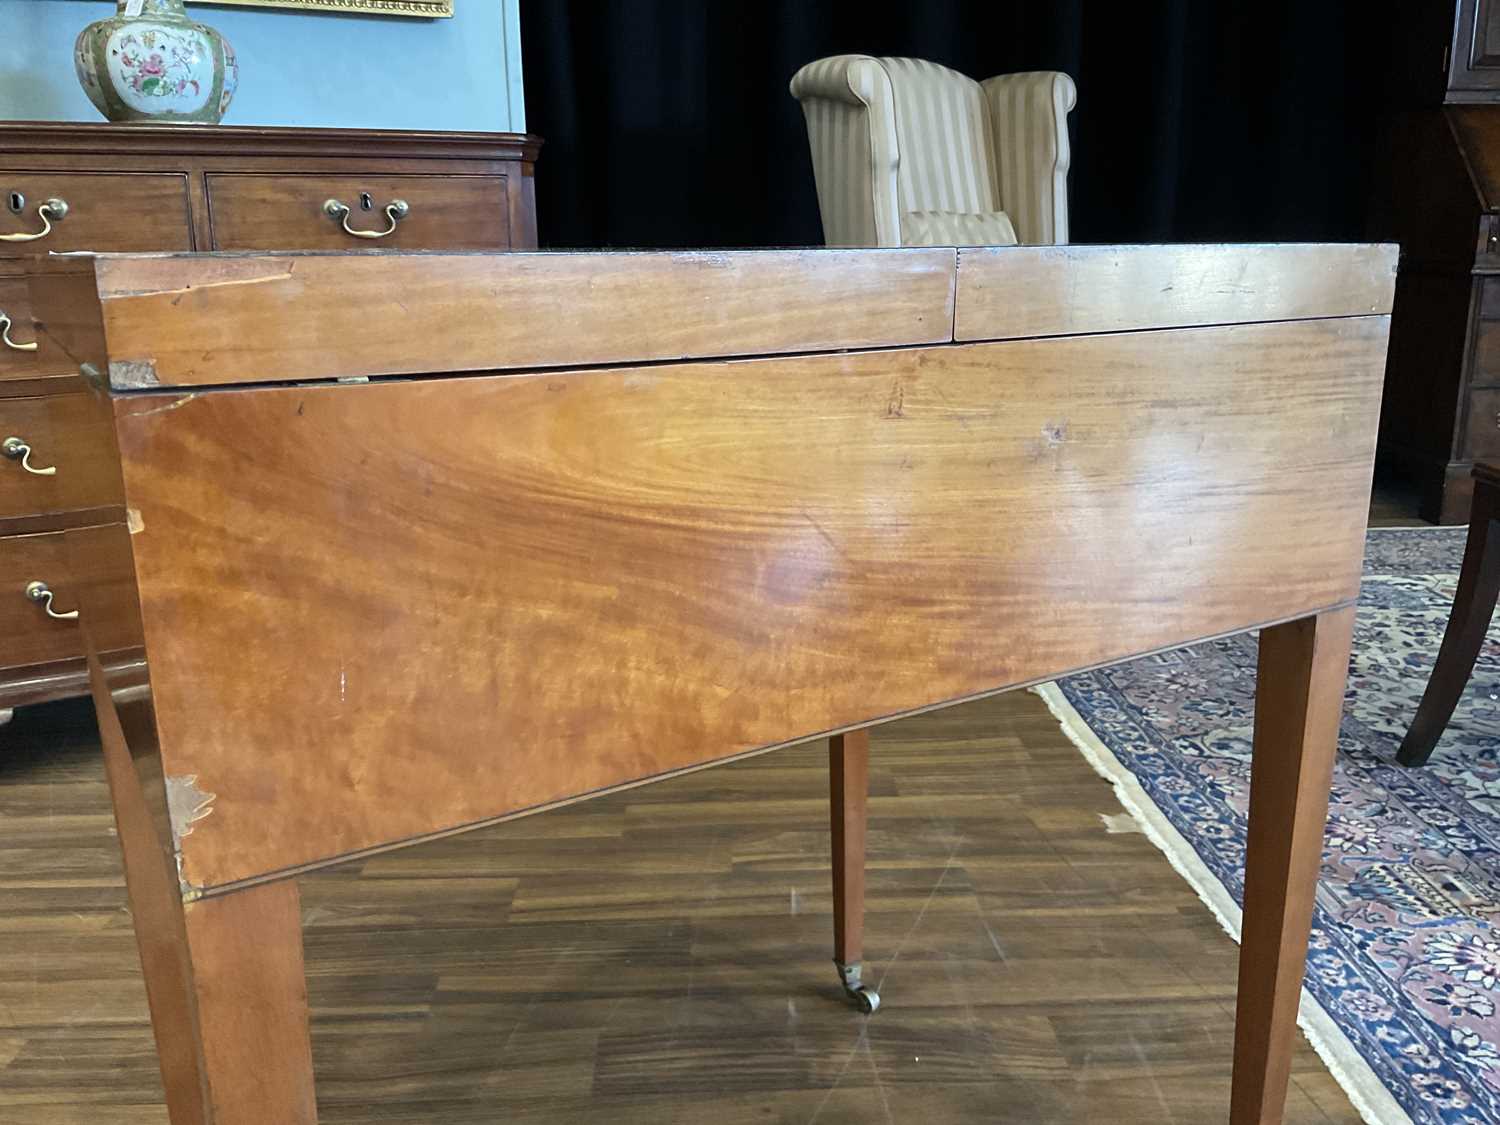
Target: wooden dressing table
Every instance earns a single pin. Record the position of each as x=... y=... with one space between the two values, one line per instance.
x=414 y=543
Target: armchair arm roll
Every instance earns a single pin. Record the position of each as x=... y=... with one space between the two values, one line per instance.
x=852 y=79
x=1029 y=123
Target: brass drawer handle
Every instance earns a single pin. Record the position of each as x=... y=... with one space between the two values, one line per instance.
x=18 y=450
x=5 y=323
x=395 y=211
x=41 y=593
x=51 y=209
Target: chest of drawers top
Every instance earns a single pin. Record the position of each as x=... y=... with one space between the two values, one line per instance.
x=194 y=187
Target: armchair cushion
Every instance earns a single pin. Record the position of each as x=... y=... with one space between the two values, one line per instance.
x=942 y=137
x=955 y=228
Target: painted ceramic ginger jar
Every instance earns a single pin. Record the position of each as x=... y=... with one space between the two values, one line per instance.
x=151 y=62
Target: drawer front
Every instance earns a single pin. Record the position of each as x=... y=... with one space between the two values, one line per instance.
x=1482 y=435
x=31 y=637
x=106 y=211
x=1487 y=249
x=65 y=433
x=287 y=212
x=25 y=370
x=18 y=359
x=1486 y=369
x=1489 y=301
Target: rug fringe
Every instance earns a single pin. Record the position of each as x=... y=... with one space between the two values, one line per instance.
x=1371 y=1100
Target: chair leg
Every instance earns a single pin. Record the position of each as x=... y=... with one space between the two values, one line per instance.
x=849 y=790
x=1299 y=699
x=1468 y=623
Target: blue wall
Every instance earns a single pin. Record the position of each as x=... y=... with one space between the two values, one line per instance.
x=299 y=68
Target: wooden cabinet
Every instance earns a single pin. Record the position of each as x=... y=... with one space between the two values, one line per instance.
x=1482 y=434
x=1438 y=195
x=110 y=188
x=1443 y=373
x=1474 y=55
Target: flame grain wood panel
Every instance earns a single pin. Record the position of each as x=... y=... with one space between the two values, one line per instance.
x=448 y=581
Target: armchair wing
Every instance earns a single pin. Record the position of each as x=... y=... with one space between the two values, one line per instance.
x=1029 y=129
x=851 y=125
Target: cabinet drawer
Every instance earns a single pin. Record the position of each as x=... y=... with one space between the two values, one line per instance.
x=1486 y=367
x=287 y=212
x=1487 y=251
x=1482 y=434
x=44 y=370
x=31 y=637
x=107 y=211
x=67 y=433
x=1489 y=300
x=17 y=333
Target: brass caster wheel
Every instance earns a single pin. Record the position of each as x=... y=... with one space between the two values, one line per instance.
x=866 y=999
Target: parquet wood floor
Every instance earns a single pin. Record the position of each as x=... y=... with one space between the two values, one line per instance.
x=663 y=955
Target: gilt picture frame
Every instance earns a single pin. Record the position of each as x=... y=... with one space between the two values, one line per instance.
x=421 y=9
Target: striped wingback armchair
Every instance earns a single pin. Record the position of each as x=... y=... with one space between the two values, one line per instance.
x=909 y=153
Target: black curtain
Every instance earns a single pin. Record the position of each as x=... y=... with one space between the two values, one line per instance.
x=668 y=122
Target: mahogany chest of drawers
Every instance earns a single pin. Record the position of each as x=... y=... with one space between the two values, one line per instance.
x=111 y=188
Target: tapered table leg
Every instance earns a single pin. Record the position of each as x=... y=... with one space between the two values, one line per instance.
x=849 y=791
x=1303 y=667
x=251 y=994
x=1468 y=624
x=224 y=976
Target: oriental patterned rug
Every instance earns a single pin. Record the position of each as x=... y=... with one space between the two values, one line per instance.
x=1403 y=977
